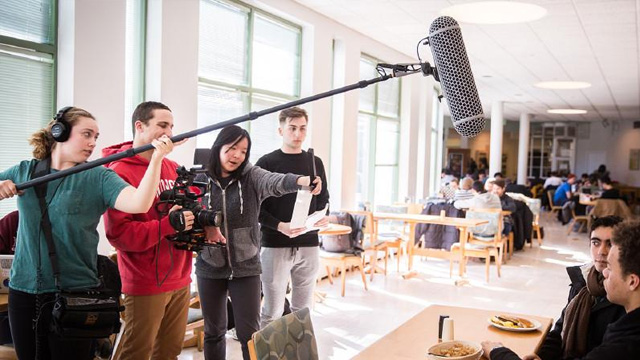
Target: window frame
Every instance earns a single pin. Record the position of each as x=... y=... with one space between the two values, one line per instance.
x=248 y=89
x=375 y=117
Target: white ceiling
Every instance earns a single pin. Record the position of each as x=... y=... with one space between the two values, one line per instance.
x=578 y=40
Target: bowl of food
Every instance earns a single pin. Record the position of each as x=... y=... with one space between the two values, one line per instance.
x=455 y=350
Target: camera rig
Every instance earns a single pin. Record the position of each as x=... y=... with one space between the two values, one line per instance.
x=181 y=194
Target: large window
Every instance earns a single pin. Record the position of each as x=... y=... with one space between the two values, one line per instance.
x=27 y=53
x=248 y=61
x=435 y=162
x=378 y=138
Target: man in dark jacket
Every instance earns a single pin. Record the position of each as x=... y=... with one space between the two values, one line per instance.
x=621 y=340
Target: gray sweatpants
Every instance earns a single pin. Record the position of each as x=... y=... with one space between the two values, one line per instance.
x=280 y=264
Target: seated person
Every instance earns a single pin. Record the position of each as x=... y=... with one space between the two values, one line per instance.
x=621 y=283
x=608 y=191
x=464 y=192
x=448 y=191
x=517 y=188
x=488 y=185
x=507 y=203
x=552 y=180
x=480 y=200
x=563 y=193
x=482 y=176
x=8 y=232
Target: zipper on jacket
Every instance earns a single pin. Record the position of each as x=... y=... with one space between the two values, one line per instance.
x=226 y=226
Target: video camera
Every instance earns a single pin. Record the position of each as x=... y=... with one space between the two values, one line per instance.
x=181 y=194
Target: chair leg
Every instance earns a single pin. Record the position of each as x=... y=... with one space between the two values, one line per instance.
x=386 y=259
x=343 y=275
x=571 y=224
x=450 y=265
x=499 y=260
x=487 y=262
x=364 y=277
x=329 y=275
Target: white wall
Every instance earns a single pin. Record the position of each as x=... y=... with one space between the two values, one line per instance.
x=615 y=141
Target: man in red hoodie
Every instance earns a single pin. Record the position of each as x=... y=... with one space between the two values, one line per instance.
x=155 y=276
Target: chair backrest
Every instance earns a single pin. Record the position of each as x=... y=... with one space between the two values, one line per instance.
x=550 y=194
x=495 y=218
x=605 y=207
x=290 y=337
x=368 y=231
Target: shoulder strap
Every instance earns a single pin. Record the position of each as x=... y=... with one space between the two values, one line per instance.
x=43 y=168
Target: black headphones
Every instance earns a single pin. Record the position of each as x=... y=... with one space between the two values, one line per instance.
x=61 y=129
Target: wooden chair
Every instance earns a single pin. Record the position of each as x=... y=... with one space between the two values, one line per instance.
x=554 y=208
x=371 y=243
x=395 y=239
x=583 y=219
x=342 y=261
x=195 y=323
x=535 y=207
x=290 y=337
x=483 y=246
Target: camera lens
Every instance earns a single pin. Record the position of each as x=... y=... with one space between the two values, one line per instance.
x=208 y=218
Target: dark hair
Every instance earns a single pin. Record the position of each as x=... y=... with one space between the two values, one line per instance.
x=498 y=174
x=144 y=112
x=602 y=168
x=605 y=221
x=626 y=236
x=499 y=183
x=229 y=135
x=292 y=112
x=606 y=180
x=478 y=186
x=482 y=171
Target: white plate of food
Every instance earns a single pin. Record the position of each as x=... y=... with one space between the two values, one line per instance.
x=514 y=323
x=455 y=350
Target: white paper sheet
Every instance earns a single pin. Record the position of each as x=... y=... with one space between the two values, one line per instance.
x=301 y=209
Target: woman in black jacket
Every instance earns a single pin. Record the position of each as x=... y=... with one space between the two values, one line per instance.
x=588 y=313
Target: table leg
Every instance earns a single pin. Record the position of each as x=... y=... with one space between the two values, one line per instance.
x=410 y=244
x=463 y=244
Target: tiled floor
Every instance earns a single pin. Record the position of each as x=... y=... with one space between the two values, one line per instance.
x=533 y=282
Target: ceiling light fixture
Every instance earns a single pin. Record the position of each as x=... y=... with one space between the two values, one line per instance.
x=563 y=85
x=567 y=111
x=495 y=12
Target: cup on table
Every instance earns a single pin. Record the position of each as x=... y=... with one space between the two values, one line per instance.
x=447 y=330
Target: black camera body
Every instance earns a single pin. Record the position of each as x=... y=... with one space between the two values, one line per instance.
x=182 y=195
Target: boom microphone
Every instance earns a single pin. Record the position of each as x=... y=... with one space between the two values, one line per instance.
x=452 y=64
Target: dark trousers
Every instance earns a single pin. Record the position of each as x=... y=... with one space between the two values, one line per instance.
x=22 y=315
x=245 y=298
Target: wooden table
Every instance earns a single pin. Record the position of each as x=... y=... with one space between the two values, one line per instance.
x=335 y=229
x=461 y=224
x=4 y=302
x=587 y=200
x=412 y=339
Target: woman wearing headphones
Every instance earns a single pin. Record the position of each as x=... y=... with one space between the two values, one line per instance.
x=74 y=205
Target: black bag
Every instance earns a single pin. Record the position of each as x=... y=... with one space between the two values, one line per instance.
x=81 y=314
x=92 y=313
x=338 y=243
